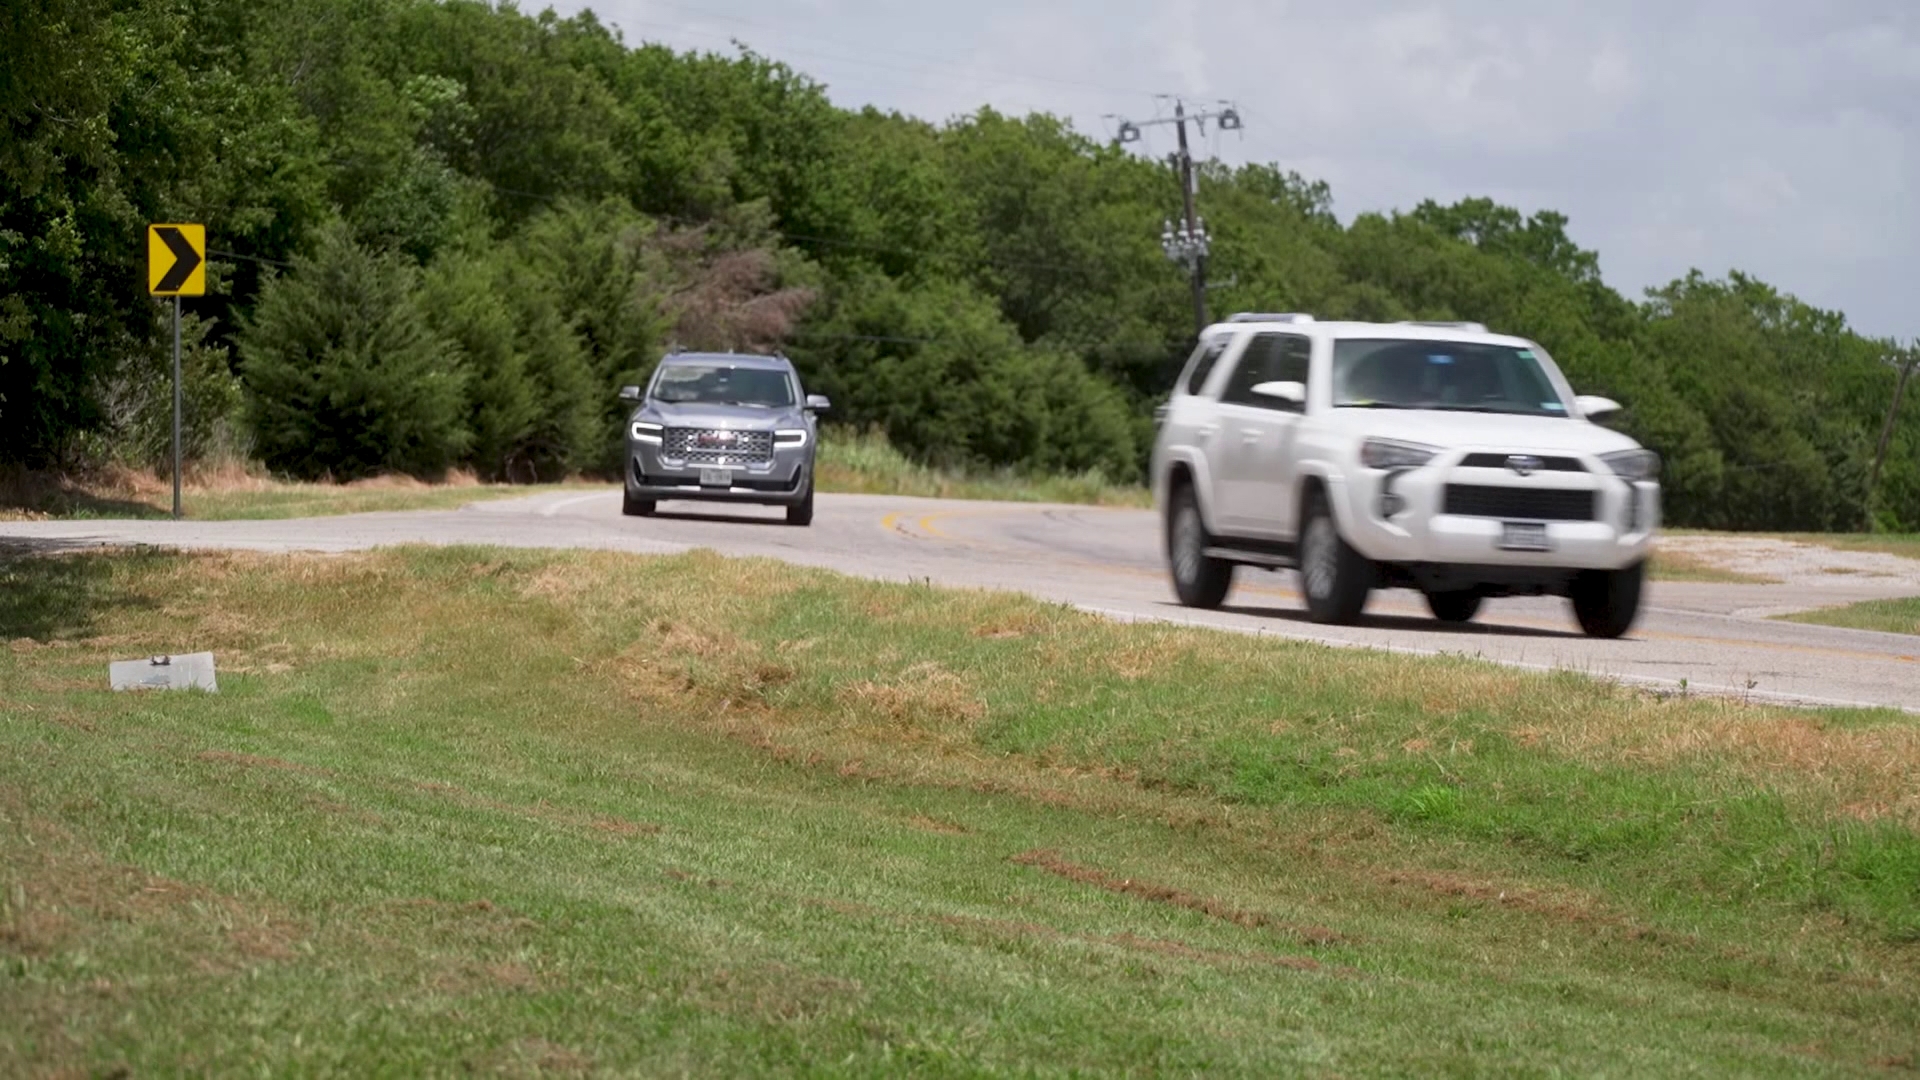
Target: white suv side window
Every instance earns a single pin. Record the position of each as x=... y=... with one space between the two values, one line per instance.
x=1205 y=357
x=1269 y=358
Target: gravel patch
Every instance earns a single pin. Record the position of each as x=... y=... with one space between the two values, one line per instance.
x=1793 y=562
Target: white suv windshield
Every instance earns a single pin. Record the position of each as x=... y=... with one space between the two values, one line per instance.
x=723 y=384
x=1406 y=373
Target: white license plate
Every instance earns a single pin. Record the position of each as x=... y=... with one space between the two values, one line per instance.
x=716 y=477
x=1523 y=536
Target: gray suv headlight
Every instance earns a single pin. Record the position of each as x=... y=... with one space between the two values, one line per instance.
x=646 y=432
x=1633 y=464
x=790 y=438
x=1391 y=454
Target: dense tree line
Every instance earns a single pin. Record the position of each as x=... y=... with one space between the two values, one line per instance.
x=445 y=233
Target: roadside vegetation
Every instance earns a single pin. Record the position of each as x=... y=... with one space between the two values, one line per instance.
x=578 y=812
x=1668 y=564
x=1887 y=616
x=1904 y=545
x=868 y=463
x=234 y=493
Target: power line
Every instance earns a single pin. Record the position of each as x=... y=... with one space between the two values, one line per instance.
x=216 y=253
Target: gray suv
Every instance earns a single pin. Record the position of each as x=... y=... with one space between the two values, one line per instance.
x=724 y=427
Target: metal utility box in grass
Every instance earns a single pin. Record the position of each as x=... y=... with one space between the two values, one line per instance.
x=189 y=671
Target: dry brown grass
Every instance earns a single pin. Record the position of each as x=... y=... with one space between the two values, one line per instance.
x=1867 y=771
x=924 y=695
x=1673 y=564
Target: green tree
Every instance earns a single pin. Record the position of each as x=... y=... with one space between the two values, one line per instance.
x=345 y=376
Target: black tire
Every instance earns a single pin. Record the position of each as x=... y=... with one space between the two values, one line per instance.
x=1607 y=602
x=1335 y=579
x=633 y=507
x=1199 y=580
x=801 y=513
x=1457 y=606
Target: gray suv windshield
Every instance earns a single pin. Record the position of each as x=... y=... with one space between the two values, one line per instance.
x=1390 y=373
x=723 y=384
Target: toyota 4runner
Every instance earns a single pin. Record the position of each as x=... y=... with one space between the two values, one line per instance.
x=1432 y=456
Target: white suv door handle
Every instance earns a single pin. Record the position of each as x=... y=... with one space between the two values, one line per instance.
x=1249 y=435
x=1207 y=431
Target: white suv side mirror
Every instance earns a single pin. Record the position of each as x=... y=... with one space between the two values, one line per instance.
x=1293 y=393
x=1593 y=408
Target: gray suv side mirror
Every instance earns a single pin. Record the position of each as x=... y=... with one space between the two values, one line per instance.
x=818 y=403
x=629 y=393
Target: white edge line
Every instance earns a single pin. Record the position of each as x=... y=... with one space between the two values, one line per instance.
x=554 y=508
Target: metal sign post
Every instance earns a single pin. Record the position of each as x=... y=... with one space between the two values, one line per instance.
x=176 y=267
x=176 y=408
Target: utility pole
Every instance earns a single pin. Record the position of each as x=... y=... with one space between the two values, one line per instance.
x=1905 y=361
x=1189 y=243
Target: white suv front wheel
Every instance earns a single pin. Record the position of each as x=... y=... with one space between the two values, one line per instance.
x=1606 y=602
x=1335 y=578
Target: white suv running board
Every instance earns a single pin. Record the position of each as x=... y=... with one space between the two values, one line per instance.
x=1253 y=558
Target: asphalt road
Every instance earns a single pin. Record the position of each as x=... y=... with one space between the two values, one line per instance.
x=1108 y=561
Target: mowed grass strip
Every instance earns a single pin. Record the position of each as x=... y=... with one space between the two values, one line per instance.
x=507 y=811
x=1886 y=616
x=232 y=492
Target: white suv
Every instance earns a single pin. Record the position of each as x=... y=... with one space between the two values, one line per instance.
x=1433 y=456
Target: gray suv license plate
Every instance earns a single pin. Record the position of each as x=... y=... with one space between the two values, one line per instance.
x=716 y=477
x=1523 y=536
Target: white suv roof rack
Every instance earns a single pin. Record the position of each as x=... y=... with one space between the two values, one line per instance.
x=1478 y=328
x=1257 y=316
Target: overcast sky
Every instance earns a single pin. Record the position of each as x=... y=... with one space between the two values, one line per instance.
x=1778 y=137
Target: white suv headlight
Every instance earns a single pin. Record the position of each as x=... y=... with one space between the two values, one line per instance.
x=1633 y=464
x=1389 y=454
x=646 y=432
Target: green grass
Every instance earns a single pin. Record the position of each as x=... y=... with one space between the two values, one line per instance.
x=1905 y=545
x=866 y=463
x=230 y=493
x=508 y=811
x=314 y=500
x=1887 y=616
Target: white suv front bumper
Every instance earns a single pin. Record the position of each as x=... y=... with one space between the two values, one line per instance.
x=1446 y=512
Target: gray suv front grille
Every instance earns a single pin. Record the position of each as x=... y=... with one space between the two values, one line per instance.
x=712 y=446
